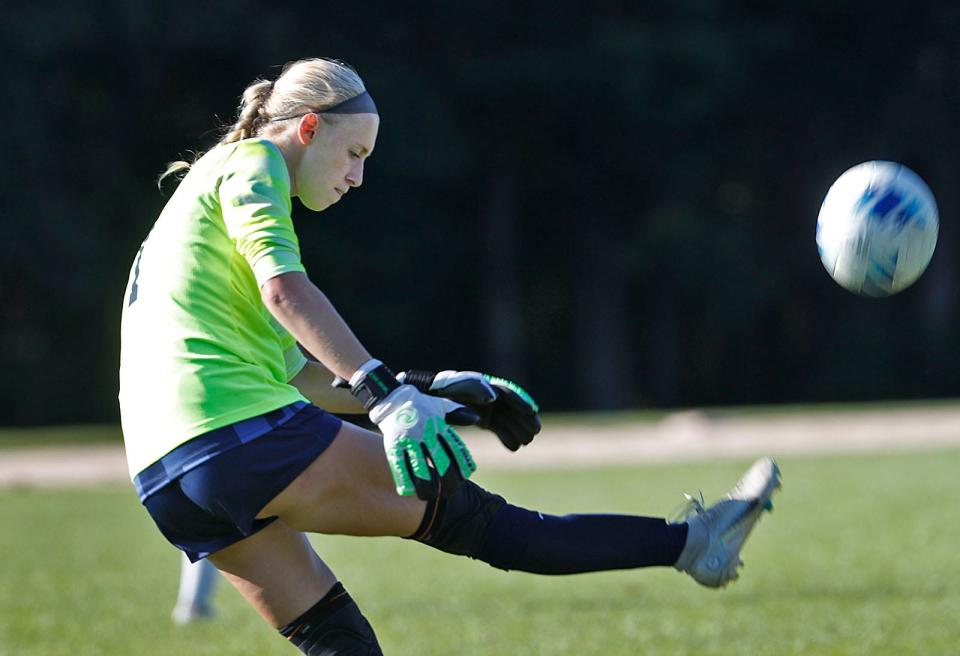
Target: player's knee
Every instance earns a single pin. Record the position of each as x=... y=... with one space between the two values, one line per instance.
x=333 y=627
x=459 y=523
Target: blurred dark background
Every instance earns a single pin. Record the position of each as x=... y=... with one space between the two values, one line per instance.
x=612 y=202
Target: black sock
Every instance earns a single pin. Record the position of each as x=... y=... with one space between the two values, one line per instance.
x=520 y=539
x=334 y=626
x=476 y=523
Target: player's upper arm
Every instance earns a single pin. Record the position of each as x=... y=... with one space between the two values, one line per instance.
x=285 y=288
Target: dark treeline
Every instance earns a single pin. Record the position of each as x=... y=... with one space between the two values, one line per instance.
x=613 y=202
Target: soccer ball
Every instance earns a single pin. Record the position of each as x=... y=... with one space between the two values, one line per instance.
x=877 y=228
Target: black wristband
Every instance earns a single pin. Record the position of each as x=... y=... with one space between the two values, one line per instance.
x=375 y=386
x=422 y=380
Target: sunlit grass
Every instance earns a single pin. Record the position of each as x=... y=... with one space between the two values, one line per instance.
x=858 y=558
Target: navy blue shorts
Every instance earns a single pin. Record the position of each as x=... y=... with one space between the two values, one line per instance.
x=215 y=503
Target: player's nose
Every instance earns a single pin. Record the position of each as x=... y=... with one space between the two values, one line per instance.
x=355 y=175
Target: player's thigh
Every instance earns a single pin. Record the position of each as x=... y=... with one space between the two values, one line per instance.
x=277 y=571
x=348 y=490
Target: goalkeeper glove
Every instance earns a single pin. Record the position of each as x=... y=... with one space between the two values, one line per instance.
x=503 y=406
x=425 y=454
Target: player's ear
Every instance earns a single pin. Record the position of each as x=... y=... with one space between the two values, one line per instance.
x=307 y=128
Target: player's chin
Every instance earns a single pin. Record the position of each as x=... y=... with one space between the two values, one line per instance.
x=318 y=204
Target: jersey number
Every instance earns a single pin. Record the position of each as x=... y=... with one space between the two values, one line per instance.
x=136 y=273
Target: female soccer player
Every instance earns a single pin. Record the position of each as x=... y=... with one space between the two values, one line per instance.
x=227 y=426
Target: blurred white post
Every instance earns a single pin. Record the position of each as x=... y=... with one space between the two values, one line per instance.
x=197 y=582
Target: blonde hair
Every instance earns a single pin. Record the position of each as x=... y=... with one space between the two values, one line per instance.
x=302 y=86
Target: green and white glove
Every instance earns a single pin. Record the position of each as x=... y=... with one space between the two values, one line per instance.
x=503 y=406
x=426 y=455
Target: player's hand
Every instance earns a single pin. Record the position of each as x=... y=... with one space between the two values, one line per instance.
x=503 y=406
x=426 y=455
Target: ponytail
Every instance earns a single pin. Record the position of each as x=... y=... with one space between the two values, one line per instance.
x=251 y=116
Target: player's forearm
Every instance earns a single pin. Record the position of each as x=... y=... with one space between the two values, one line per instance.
x=316 y=383
x=310 y=317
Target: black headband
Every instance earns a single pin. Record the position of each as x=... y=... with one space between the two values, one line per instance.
x=362 y=104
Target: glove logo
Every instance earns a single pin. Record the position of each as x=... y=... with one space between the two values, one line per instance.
x=407 y=418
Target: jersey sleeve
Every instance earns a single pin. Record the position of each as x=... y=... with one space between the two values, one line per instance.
x=255 y=202
x=293 y=357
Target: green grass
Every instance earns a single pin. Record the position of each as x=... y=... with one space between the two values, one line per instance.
x=858 y=558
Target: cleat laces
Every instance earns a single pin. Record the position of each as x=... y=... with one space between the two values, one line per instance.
x=690 y=507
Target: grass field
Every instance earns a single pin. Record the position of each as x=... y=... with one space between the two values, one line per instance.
x=860 y=557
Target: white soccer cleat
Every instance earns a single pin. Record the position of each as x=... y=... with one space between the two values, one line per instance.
x=716 y=534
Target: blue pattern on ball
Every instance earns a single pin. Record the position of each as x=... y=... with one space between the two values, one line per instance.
x=886 y=204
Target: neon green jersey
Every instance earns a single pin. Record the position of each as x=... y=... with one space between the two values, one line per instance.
x=199 y=350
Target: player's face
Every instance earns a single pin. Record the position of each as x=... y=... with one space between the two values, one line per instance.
x=332 y=161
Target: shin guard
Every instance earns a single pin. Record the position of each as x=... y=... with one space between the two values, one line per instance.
x=458 y=523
